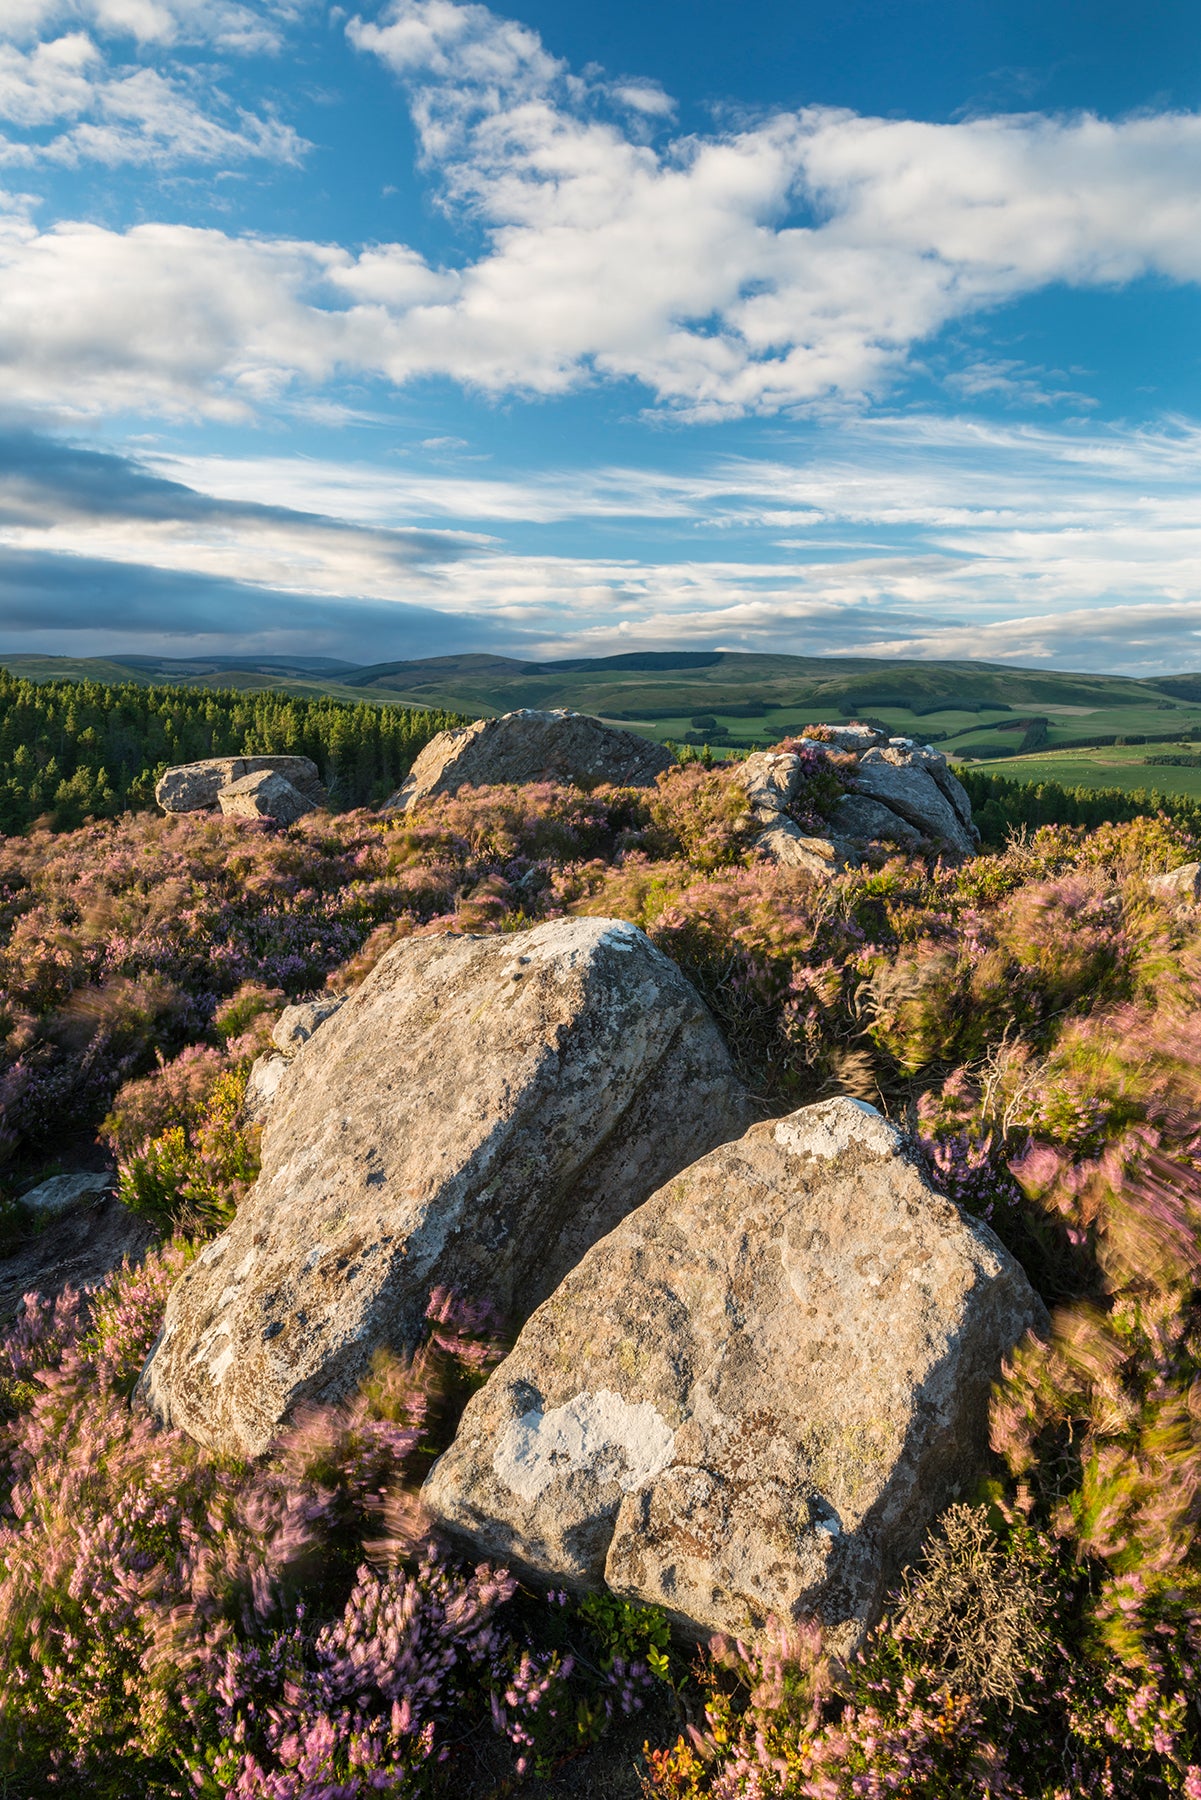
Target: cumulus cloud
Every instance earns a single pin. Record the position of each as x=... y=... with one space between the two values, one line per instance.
x=786 y=264
x=801 y=262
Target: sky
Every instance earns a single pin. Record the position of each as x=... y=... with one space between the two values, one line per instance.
x=869 y=328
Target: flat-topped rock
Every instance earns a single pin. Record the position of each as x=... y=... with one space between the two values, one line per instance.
x=755 y=1395
x=194 y=787
x=475 y=1116
x=531 y=746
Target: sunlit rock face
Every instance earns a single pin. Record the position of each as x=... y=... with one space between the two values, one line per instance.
x=753 y=1397
x=531 y=746
x=474 y=1116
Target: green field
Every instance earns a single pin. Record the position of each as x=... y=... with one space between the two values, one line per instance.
x=1114 y=767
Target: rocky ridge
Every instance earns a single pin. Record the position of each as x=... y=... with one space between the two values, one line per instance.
x=902 y=794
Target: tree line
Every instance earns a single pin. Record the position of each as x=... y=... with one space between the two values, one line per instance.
x=1000 y=805
x=72 y=750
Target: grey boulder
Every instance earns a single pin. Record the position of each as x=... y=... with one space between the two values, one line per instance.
x=476 y=1115
x=1183 y=883
x=904 y=782
x=752 y=1398
x=194 y=787
x=266 y=794
x=856 y=816
x=530 y=746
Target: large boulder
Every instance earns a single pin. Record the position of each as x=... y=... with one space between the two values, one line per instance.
x=903 y=780
x=752 y=1398
x=196 y=787
x=265 y=794
x=531 y=746
x=475 y=1116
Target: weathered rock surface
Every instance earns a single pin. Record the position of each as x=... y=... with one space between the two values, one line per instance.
x=476 y=1115
x=531 y=746
x=771 y=778
x=902 y=781
x=263 y=1085
x=195 y=787
x=64 y=1191
x=865 y=820
x=1183 y=883
x=906 y=795
x=755 y=1394
x=78 y=1248
x=264 y=795
x=296 y=1024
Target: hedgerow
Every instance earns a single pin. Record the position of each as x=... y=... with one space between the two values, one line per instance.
x=172 y=1622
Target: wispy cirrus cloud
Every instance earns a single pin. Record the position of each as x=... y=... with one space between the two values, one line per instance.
x=925 y=537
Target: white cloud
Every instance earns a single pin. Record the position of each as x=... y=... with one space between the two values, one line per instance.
x=227 y=24
x=135 y=115
x=800 y=263
x=917 y=537
x=162 y=319
x=798 y=260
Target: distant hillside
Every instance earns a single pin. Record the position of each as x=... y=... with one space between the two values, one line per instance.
x=978 y=709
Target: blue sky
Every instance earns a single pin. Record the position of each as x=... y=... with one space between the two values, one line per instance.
x=562 y=331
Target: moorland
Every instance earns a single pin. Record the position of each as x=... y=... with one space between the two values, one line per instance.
x=173 y=1621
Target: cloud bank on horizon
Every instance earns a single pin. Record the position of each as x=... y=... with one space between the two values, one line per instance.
x=770 y=377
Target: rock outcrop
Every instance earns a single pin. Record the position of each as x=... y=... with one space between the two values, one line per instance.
x=476 y=1115
x=903 y=794
x=752 y=1397
x=197 y=787
x=530 y=746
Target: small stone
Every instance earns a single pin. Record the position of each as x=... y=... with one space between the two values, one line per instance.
x=263 y=1085
x=64 y=1191
x=296 y=1024
x=1183 y=883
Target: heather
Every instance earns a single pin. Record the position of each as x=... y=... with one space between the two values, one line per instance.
x=174 y=1622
